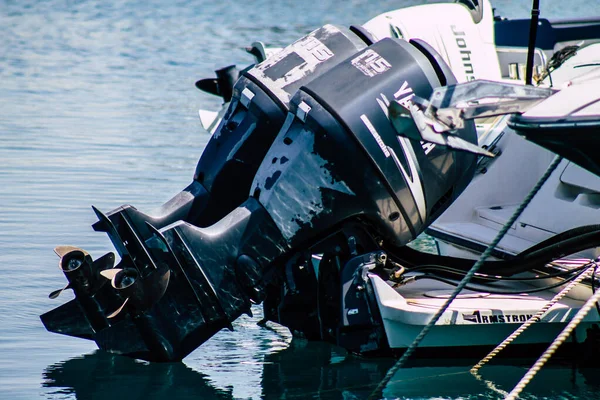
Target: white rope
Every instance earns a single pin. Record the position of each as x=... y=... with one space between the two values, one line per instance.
x=564 y=335
x=464 y=282
x=535 y=318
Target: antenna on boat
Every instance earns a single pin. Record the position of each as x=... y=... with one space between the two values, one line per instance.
x=535 y=14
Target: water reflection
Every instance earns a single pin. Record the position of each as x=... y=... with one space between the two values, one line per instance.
x=319 y=370
x=101 y=375
x=308 y=370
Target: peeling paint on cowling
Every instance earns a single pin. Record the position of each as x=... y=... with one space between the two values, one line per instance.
x=269 y=182
x=294 y=195
x=304 y=49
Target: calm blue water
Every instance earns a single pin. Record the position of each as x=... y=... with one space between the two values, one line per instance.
x=98 y=106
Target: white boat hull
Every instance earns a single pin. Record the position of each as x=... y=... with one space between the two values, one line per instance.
x=475 y=322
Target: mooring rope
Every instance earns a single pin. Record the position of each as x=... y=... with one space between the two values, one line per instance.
x=535 y=318
x=564 y=335
x=488 y=251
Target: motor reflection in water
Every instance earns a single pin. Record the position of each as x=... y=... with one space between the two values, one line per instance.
x=101 y=375
x=304 y=370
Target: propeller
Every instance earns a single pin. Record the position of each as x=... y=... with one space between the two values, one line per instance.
x=124 y=280
x=71 y=259
x=223 y=84
x=61 y=251
x=140 y=293
x=57 y=293
x=80 y=270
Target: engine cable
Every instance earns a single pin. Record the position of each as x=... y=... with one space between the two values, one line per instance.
x=488 y=277
x=501 y=292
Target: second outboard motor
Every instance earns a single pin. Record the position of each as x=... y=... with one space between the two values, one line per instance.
x=336 y=161
x=258 y=105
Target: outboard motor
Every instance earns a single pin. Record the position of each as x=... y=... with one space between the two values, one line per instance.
x=337 y=168
x=259 y=102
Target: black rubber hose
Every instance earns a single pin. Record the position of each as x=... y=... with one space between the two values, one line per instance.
x=558 y=246
x=554 y=252
x=571 y=233
x=493 y=278
x=506 y=292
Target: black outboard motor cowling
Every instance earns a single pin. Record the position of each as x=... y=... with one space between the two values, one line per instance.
x=336 y=160
x=338 y=156
x=257 y=110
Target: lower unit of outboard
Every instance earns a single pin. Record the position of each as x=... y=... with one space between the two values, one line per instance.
x=337 y=182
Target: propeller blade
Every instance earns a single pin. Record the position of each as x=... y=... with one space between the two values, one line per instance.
x=209 y=85
x=118 y=310
x=61 y=251
x=110 y=273
x=57 y=293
